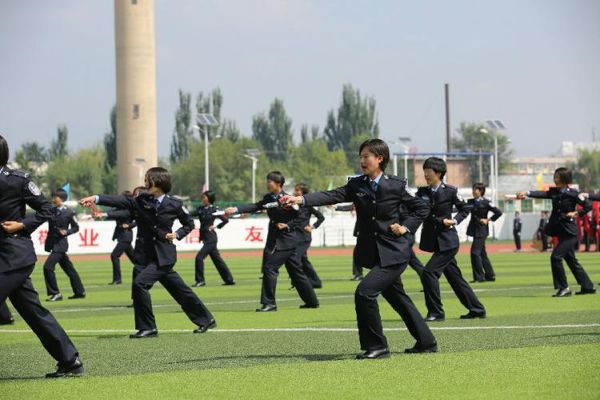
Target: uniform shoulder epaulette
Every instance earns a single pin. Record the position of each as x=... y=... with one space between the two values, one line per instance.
x=176 y=199
x=396 y=178
x=16 y=172
x=357 y=178
x=450 y=186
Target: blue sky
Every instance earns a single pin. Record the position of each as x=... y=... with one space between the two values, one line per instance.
x=533 y=64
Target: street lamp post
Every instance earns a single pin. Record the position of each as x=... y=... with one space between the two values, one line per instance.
x=204 y=121
x=252 y=154
x=404 y=140
x=495 y=125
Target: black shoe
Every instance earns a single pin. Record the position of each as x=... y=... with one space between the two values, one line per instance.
x=141 y=334
x=373 y=354
x=77 y=296
x=55 y=297
x=493 y=279
x=318 y=286
x=267 y=308
x=199 y=284
x=435 y=318
x=115 y=283
x=203 y=328
x=563 y=293
x=473 y=315
x=310 y=305
x=74 y=369
x=422 y=349
x=11 y=321
x=586 y=291
x=228 y=283
x=356 y=278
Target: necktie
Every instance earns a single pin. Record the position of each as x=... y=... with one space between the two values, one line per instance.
x=374 y=186
x=156 y=203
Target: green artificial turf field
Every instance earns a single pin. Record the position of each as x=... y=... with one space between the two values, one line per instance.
x=530 y=346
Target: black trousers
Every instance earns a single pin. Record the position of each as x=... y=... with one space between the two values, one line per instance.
x=566 y=250
x=413 y=262
x=357 y=270
x=307 y=266
x=5 y=315
x=416 y=264
x=145 y=277
x=210 y=249
x=444 y=262
x=544 y=239
x=16 y=285
x=272 y=261
x=115 y=258
x=517 y=237
x=480 y=262
x=387 y=282
x=50 y=276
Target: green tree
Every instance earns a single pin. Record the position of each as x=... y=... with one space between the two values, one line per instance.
x=109 y=178
x=83 y=170
x=274 y=131
x=307 y=135
x=31 y=157
x=356 y=116
x=230 y=172
x=58 y=146
x=110 y=140
x=314 y=164
x=587 y=170
x=473 y=137
x=183 y=135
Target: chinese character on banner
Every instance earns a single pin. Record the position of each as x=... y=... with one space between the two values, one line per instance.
x=88 y=238
x=254 y=234
x=193 y=237
x=42 y=236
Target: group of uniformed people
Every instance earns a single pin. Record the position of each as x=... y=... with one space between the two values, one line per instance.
x=388 y=217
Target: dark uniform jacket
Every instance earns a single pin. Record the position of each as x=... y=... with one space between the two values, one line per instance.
x=375 y=212
x=153 y=225
x=63 y=219
x=277 y=239
x=207 y=219
x=480 y=209
x=563 y=202
x=517 y=225
x=122 y=217
x=542 y=225
x=304 y=215
x=435 y=236
x=16 y=191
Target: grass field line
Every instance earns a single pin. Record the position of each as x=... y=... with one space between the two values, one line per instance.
x=327 y=329
x=345 y=296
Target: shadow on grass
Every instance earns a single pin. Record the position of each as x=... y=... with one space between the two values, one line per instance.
x=264 y=357
x=568 y=334
x=21 y=378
